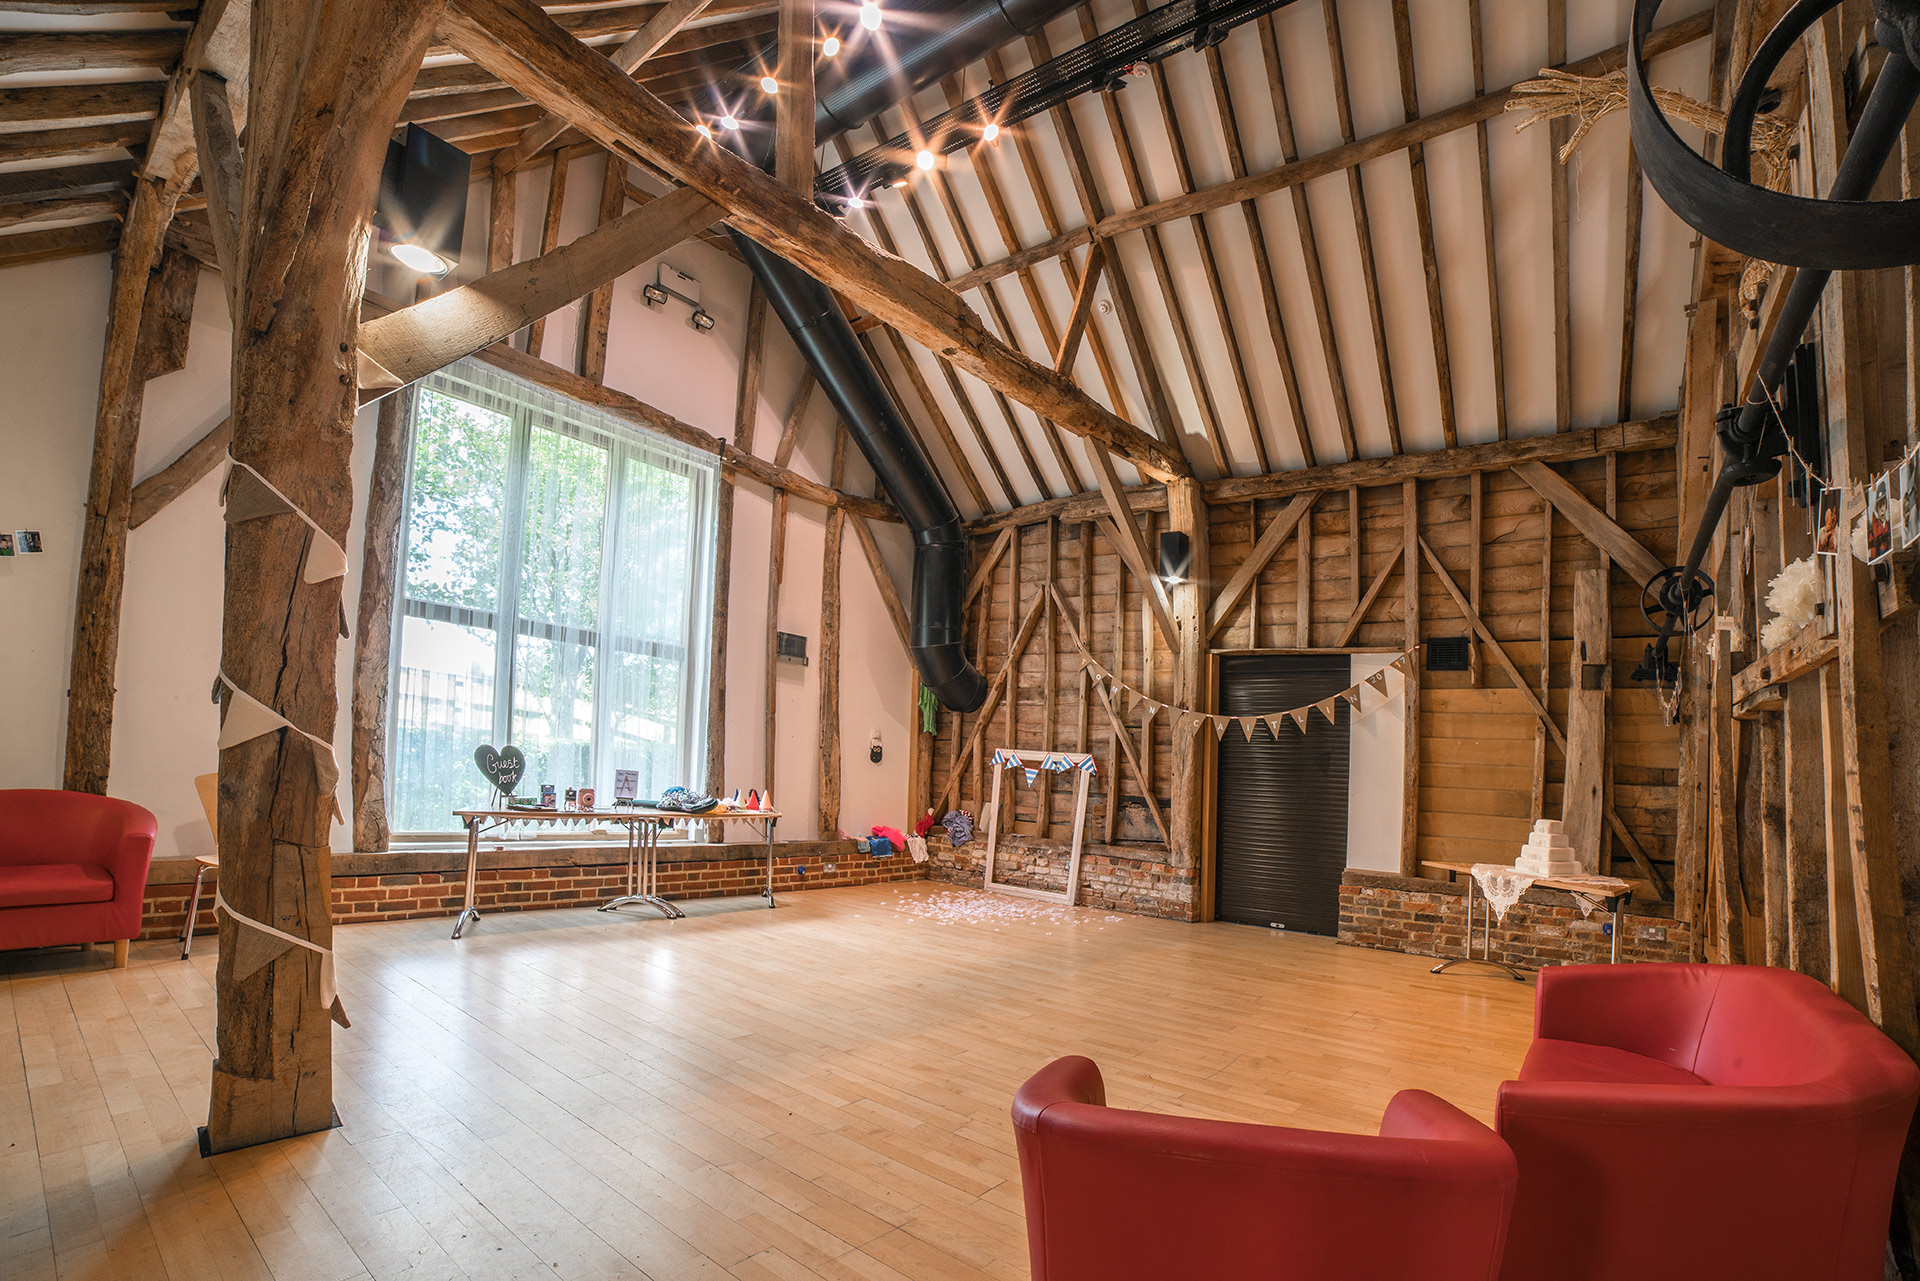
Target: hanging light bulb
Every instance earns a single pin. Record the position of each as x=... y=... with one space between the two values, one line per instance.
x=830 y=46
x=769 y=85
x=855 y=202
x=728 y=122
x=870 y=14
x=990 y=133
x=703 y=131
x=925 y=161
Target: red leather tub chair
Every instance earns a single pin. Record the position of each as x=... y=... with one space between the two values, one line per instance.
x=73 y=869
x=1135 y=1196
x=1698 y=1121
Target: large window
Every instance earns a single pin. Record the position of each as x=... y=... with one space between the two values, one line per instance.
x=558 y=577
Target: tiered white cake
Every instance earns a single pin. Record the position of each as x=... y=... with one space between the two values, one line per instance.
x=1547 y=852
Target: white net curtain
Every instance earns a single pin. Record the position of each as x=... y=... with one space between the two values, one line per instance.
x=565 y=557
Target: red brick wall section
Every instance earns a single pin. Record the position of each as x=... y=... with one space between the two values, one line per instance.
x=401 y=896
x=1110 y=877
x=1428 y=918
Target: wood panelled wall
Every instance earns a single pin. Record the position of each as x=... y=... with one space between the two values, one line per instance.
x=1488 y=767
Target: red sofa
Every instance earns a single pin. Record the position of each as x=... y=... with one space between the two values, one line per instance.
x=73 y=869
x=1133 y=1196
x=1690 y=1121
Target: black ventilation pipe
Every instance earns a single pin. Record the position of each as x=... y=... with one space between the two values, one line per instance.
x=938 y=608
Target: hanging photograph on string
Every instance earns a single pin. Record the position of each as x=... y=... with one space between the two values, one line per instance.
x=1907 y=479
x=1826 y=537
x=1879 y=520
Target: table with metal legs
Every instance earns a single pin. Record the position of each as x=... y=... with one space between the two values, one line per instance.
x=643 y=848
x=643 y=868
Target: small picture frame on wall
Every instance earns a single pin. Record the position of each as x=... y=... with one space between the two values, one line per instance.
x=27 y=541
x=6 y=544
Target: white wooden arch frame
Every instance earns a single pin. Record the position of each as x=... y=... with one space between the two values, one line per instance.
x=1082 y=765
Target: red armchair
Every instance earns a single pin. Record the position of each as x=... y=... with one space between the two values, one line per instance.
x=1688 y=1121
x=1134 y=1196
x=73 y=869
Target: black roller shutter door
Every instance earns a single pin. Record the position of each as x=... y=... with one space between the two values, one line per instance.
x=1282 y=805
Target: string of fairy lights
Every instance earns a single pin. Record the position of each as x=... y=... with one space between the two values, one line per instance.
x=871 y=20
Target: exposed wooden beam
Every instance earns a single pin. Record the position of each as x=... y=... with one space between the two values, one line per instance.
x=1063 y=356
x=416 y=340
x=1369 y=263
x=75 y=210
x=793 y=105
x=45 y=106
x=218 y=145
x=524 y=47
x=665 y=23
x=597 y=316
x=1650 y=433
x=882 y=578
x=91 y=52
x=1132 y=545
x=380 y=576
x=1595 y=525
x=320 y=111
x=1365 y=602
x=1309 y=254
x=1248 y=571
x=24 y=247
x=1487 y=250
x=54 y=144
x=1423 y=222
x=550 y=241
x=106 y=177
x=1120 y=734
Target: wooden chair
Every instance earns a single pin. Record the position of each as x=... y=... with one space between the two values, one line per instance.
x=208 y=785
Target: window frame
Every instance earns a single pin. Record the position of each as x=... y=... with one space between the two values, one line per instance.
x=530 y=406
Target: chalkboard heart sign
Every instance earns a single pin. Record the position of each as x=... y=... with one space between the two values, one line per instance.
x=502 y=768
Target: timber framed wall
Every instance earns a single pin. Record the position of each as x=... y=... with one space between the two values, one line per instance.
x=1487 y=765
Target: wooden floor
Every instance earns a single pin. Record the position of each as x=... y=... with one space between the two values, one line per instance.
x=820 y=1091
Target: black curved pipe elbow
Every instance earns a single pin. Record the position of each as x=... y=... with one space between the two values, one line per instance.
x=937 y=615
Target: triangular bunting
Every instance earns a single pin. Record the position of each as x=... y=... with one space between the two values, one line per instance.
x=1352 y=696
x=1299 y=715
x=252 y=950
x=1326 y=706
x=1246 y=726
x=1220 y=724
x=1274 y=722
x=247 y=718
x=250 y=498
x=326 y=559
x=1379 y=682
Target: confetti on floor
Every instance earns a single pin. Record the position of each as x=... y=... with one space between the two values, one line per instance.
x=978 y=907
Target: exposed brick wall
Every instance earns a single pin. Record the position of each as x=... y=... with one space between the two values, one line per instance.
x=403 y=895
x=1428 y=918
x=1116 y=877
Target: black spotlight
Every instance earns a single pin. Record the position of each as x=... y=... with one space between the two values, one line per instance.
x=1176 y=557
x=422 y=209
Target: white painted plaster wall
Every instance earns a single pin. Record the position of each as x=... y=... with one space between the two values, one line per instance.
x=53 y=317
x=1376 y=768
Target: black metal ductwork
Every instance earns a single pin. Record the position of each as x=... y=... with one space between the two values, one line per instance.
x=938 y=610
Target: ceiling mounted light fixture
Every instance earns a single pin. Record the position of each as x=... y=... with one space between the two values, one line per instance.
x=925 y=160
x=769 y=85
x=990 y=133
x=703 y=131
x=830 y=46
x=728 y=122
x=870 y=17
x=422 y=206
x=421 y=259
x=1176 y=557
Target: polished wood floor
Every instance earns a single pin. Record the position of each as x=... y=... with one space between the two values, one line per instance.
x=816 y=1092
